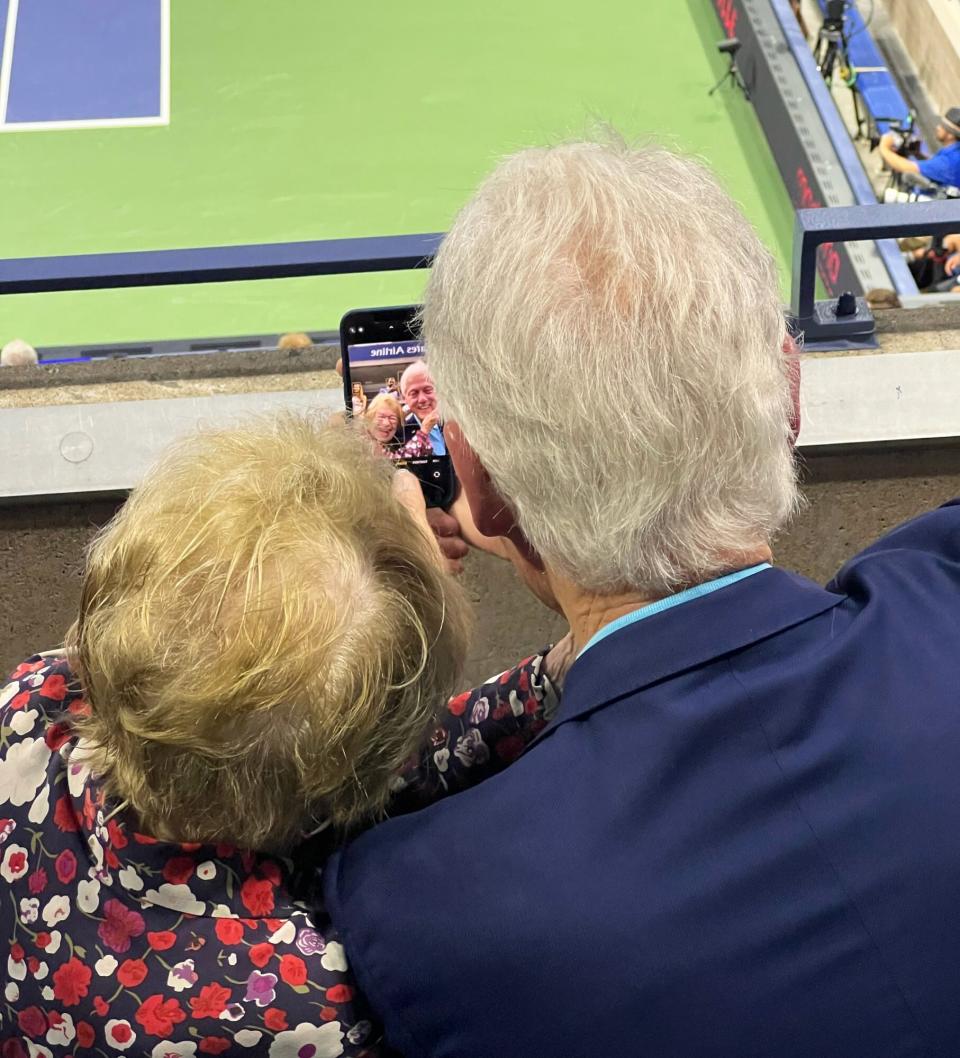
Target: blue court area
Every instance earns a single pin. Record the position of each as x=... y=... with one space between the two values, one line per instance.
x=89 y=62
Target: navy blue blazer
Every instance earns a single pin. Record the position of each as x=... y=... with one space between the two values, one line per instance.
x=740 y=838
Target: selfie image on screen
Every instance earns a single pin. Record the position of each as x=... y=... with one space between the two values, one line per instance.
x=394 y=397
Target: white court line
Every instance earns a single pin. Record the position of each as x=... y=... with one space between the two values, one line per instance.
x=164 y=61
x=6 y=59
x=150 y=121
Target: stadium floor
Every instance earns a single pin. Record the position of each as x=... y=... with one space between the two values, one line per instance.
x=310 y=121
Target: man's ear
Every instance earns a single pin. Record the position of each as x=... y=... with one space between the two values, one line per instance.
x=491 y=512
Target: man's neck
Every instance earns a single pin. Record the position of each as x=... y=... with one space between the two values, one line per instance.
x=588 y=612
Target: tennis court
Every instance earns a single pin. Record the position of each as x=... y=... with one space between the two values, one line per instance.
x=149 y=124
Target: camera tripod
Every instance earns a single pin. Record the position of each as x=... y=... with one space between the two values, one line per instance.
x=732 y=73
x=831 y=54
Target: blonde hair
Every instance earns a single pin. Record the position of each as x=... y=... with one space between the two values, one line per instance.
x=384 y=400
x=265 y=636
x=577 y=273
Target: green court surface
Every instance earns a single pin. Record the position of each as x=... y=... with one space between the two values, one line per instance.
x=307 y=120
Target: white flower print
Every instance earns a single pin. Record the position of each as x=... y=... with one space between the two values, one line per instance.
x=41 y=971
x=247 y=1037
x=176 y=898
x=78 y=770
x=182 y=976
x=119 y=1034
x=36 y=1050
x=23 y=770
x=15 y=863
x=16 y=971
x=442 y=759
x=232 y=959
x=516 y=706
x=334 y=957
x=54 y=946
x=286 y=934
x=221 y=911
x=167 y=1049
x=56 y=909
x=359 y=1032
x=12 y=992
x=233 y=1012
x=47 y=993
x=88 y=895
x=24 y=720
x=29 y=910
x=323 y=1042
x=206 y=871
x=40 y=808
x=480 y=711
x=10 y=691
x=129 y=879
x=61 y=1031
x=105 y=966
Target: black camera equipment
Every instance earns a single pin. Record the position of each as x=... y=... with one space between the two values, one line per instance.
x=831 y=54
x=909 y=144
x=730 y=48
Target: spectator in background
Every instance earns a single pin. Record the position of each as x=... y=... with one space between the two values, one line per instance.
x=18 y=353
x=420 y=396
x=739 y=834
x=295 y=342
x=358 y=399
x=944 y=167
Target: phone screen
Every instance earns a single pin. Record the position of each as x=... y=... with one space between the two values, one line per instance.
x=389 y=389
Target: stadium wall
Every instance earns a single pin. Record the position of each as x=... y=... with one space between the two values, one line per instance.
x=852 y=498
x=930 y=32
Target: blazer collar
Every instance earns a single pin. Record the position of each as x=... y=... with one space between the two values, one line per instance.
x=688 y=636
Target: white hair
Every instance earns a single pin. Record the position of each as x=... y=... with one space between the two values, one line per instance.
x=606 y=328
x=18 y=353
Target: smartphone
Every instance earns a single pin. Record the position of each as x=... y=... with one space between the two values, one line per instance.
x=387 y=386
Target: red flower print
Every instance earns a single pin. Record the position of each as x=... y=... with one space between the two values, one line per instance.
x=33 y=963
x=85 y=1034
x=56 y=735
x=190 y=846
x=54 y=687
x=144 y=839
x=328 y=1013
x=273 y=924
x=271 y=871
x=37 y=881
x=16 y=952
x=211 y=1002
x=158 y=1016
x=340 y=994
x=132 y=972
x=162 y=941
x=119 y=925
x=25 y=668
x=42 y=939
x=502 y=710
x=32 y=1022
x=101 y=1006
x=111 y=858
x=509 y=748
x=275 y=1019
x=116 y=835
x=213 y=1045
x=71 y=982
x=229 y=930
x=66 y=866
x=64 y=816
x=524 y=681
x=457 y=705
x=120 y=1033
x=20 y=700
x=224 y=852
x=178 y=869
x=293 y=970
x=257 y=896
x=260 y=954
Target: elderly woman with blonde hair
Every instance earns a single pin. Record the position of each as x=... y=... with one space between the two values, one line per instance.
x=266 y=639
x=384 y=418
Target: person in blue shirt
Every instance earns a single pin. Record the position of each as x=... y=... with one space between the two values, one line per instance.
x=944 y=167
x=739 y=834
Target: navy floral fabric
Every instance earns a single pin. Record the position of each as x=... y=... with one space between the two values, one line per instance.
x=118 y=944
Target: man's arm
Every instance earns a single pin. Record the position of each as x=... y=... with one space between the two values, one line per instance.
x=893 y=160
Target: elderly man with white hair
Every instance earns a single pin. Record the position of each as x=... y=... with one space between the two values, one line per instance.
x=738 y=836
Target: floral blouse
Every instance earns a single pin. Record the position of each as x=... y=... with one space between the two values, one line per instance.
x=118 y=944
